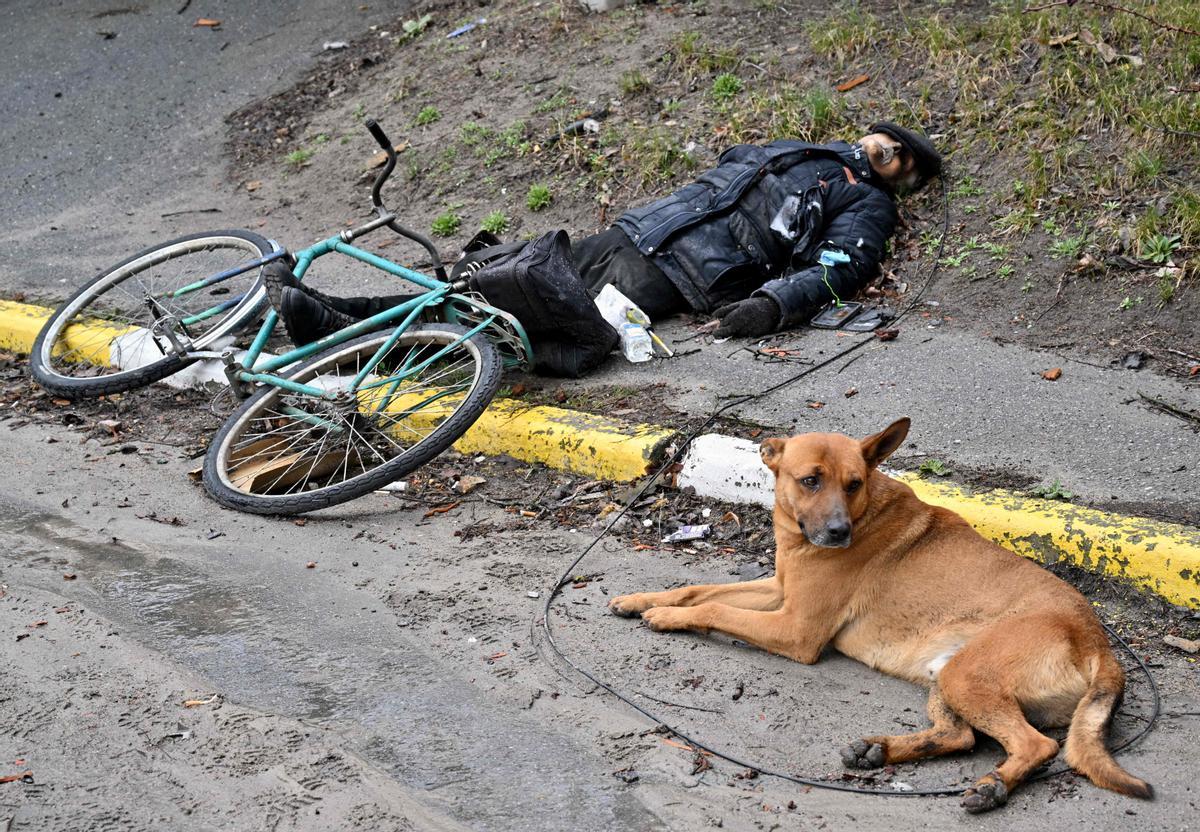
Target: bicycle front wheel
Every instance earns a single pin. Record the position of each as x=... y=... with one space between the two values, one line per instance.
x=102 y=340
x=285 y=452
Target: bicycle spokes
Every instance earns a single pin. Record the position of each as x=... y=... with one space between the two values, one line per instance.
x=297 y=442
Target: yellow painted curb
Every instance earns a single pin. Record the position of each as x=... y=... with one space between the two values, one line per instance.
x=594 y=446
x=20 y=324
x=1161 y=557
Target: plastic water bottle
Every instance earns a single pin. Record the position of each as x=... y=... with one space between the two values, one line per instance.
x=635 y=343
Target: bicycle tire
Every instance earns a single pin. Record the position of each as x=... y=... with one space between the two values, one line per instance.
x=50 y=341
x=220 y=477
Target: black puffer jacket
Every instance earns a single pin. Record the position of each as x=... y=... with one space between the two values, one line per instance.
x=759 y=222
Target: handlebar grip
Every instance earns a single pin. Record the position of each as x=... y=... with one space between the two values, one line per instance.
x=378 y=134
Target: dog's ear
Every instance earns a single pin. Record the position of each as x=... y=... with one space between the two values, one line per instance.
x=877 y=448
x=771 y=450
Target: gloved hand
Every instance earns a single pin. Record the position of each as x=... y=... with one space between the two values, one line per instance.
x=747 y=318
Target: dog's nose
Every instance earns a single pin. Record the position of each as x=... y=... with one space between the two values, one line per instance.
x=839 y=532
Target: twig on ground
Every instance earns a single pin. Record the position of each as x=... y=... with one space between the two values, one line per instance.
x=1115 y=8
x=1171 y=410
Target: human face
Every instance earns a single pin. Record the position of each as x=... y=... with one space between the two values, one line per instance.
x=890 y=161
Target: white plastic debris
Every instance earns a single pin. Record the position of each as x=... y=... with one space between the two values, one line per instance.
x=533 y=594
x=686 y=533
x=332 y=45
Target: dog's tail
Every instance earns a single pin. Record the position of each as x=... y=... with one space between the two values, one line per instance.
x=1086 y=750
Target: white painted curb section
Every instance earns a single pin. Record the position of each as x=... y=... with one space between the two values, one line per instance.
x=729 y=469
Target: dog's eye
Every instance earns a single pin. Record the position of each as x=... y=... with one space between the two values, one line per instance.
x=809 y=482
x=853 y=486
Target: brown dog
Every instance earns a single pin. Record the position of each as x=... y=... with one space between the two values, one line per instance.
x=914 y=591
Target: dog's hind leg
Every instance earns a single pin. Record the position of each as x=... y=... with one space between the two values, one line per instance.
x=976 y=684
x=950 y=733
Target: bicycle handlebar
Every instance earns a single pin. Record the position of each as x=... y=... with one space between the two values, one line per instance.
x=377 y=133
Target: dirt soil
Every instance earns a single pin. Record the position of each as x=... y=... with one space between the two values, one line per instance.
x=479 y=124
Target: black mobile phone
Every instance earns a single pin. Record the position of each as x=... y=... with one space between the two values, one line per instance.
x=834 y=316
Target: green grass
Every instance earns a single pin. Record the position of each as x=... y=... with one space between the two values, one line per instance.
x=633 y=82
x=934 y=468
x=427 y=115
x=725 y=86
x=299 y=158
x=1160 y=247
x=538 y=198
x=1071 y=247
x=446 y=225
x=495 y=222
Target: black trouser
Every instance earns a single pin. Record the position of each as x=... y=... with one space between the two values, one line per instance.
x=604 y=258
x=611 y=257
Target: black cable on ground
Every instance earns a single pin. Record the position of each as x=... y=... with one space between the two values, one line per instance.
x=700 y=745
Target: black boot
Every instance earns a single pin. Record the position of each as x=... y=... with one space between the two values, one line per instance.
x=278 y=276
x=306 y=318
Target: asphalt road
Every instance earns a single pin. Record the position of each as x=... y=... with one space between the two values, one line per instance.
x=114 y=110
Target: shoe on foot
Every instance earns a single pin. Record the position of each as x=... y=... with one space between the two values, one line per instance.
x=306 y=318
x=278 y=276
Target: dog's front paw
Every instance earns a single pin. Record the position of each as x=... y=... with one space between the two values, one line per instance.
x=863 y=754
x=628 y=606
x=989 y=792
x=665 y=619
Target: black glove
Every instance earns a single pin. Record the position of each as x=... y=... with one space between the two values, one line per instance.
x=747 y=318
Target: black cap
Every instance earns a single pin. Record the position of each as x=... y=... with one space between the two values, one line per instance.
x=928 y=160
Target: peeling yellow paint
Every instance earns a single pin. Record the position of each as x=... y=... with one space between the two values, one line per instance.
x=568 y=440
x=1161 y=557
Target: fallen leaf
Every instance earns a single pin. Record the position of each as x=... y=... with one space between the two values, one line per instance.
x=730 y=516
x=685 y=747
x=444 y=509
x=69 y=576
x=1195 y=370
x=61 y=402
x=300 y=521
x=195 y=703
x=207 y=21
x=853 y=391
x=37 y=624
x=466 y=485
x=1061 y=39
x=518 y=389
x=887 y=334
x=641 y=547
x=1052 y=374
x=312 y=564
x=816 y=405
x=1187 y=645
x=379 y=158
x=254 y=185
x=61 y=610
x=846 y=86
x=495 y=656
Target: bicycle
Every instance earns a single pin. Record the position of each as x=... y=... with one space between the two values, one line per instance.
x=320 y=424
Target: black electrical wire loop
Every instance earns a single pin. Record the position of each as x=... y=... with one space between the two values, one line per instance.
x=699 y=745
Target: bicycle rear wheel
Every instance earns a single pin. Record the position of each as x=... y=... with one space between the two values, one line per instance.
x=286 y=453
x=101 y=340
